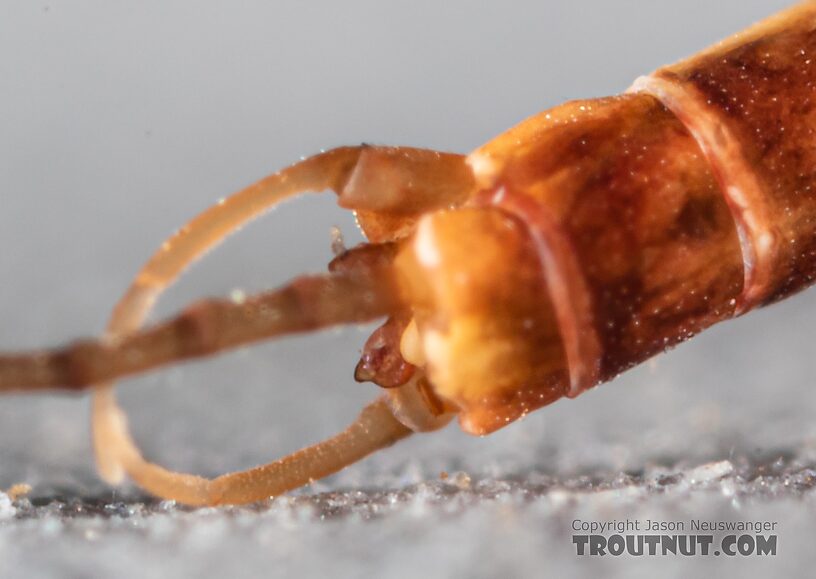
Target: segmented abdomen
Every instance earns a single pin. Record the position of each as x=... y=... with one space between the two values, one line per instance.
x=683 y=203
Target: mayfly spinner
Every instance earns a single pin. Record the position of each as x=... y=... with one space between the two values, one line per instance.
x=581 y=242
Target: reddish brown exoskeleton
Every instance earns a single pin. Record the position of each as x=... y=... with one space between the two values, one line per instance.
x=579 y=243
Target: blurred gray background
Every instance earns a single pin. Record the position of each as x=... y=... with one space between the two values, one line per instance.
x=119 y=121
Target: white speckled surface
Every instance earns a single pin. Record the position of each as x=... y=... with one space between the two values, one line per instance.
x=118 y=124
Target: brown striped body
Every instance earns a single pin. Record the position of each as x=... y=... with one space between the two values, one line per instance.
x=655 y=215
x=579 y=243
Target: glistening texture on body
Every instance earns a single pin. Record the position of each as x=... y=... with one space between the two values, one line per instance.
x=579 y=243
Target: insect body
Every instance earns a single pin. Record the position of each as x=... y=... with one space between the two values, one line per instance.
x=579 y=243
